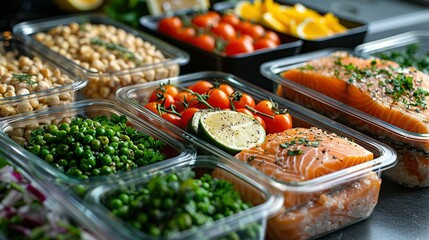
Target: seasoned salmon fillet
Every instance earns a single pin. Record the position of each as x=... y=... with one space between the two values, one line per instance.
x=378 y=87
x=301 y=154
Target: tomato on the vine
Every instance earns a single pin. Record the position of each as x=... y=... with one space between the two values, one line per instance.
x=264 y=42
x=204 y=41
x=165 y=89
x=170 y=25
x=218 y=99
x=273 y=36
x=187 y=115
x=244 y=110
x=231 y=19
x=279 y=123
x=238 y=46
x=185 y=99
x=201 y=86
x=242 y=100
x=166 y=100
x=226 y=88
x=185 y=34
x=254 y=30
x=225 y=31
x=265 y=106
x=173 y=118
x=153 y=107
x=205 y=20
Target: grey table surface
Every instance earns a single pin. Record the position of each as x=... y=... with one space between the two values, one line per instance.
x=401 y=213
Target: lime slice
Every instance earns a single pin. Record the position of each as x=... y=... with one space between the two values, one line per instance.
x=192 y=126
x=231 y=131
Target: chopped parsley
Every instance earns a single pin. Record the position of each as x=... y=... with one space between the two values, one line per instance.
x=299 y=141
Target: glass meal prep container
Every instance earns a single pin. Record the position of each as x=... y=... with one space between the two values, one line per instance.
x=411 y=147
x=325 y=206
x=238 y=64
x=30 y=81
x=33 y=208
x=90 y=152
x=109 y=53
x=246 y=223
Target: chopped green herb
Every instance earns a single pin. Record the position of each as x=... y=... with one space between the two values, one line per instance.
x=294 y=152
x=124 y=52
x=24 y=78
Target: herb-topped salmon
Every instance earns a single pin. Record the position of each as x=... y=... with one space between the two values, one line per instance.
x=301 y=154
x=378 y=87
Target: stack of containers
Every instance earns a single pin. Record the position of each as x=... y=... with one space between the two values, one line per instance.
x=331 y=201
x=110 y=54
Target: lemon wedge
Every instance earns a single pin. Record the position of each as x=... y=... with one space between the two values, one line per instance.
x=270 y=21
x=78 y=5
x=333 y=23
x=311 y=29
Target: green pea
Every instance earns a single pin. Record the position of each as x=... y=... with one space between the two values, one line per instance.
x=114 y=139
x=167 y=203
x=124 y=151
x=52 y=128
x=35 y=149
x=87 y=154
x=62 y=148
x=74 y=129
x=125 y=138
x=49 y=158
x=91 y=132
x=106 y=170
x=69 y=140
x=96 y=144
x=89 y=122
x=123 y=145
x=100 y=132
x=154 y=231
x=114 y=145
x=104 y=140
x=87 y=164
x=63 y=162
x=73 y=163
x=116 y=203
x=88 y=139
x=69 y=155
x=95 y=172
x=64 y=126
x=80 y=136
x=142 y=217
x=44 y=152
x=62 y=134
x=116 y=159
x=110 y=133
x=79 y=151
x=109 y=150
x=106 y=160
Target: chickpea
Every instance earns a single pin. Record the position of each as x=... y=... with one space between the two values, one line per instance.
x=24 y=107
x=53 y=100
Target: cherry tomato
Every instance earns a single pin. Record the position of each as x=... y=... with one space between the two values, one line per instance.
x=159 y=92
x=244 y=110
x=279 y=123
x=214 y=15
x=231 y=19
x=166 y=100
x=254 y=30
x=226 y=88
x=238 y=46
x=218 y=99
x=224 y=31
x=244 y=100
x=185 y=98
x=205 y=20
x=187 y=115
x=265 y=106
x=264 y=42
x=201 y=86
x=185 y=34
x=260 y=120
x=273 y=36
x=152 y=106
x=204 y=41
x=170 y=25
x=173 y=118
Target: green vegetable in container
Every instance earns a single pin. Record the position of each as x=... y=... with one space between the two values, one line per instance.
x=174 y=202
x=410 y=57
x=102 y=146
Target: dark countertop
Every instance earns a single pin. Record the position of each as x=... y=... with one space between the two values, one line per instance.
x=401 y=213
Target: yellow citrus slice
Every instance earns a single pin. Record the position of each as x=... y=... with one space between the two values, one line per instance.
x=270 y=21
x=78 y=5
x=333 y=23
x=249 y=11
x=311 y=29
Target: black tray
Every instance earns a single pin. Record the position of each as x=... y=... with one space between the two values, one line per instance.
x=354 y=36
x=245 y=65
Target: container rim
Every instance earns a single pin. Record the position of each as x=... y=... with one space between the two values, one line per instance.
x=399 y=40
x=272 y=69
x=273 y=201
x=387 y=155
x=27 y=28
x=25 y=157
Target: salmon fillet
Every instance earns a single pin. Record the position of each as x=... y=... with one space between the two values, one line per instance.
x=377 y=87
x=301 y=154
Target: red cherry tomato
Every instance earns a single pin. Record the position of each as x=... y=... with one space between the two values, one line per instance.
x=185 y=99
x=231 y=19
x=152 y=106
x=185 y=34
x=263 y=42
x=170 y=25
x=238 y=46
x=224 y=31
x=218 y=99
x=214 y=15
x=254 y=30
x=226 y=88
x=187 y=115
x=205 y=20
x=204 y=41
x=244 y=110
x=243 y=101
x=201 y=86
x=273 y=36
x=265 y=106
x=166 y=100
x=173 y=118
x=159 y=92
x=279 y=123
x=260 y=120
